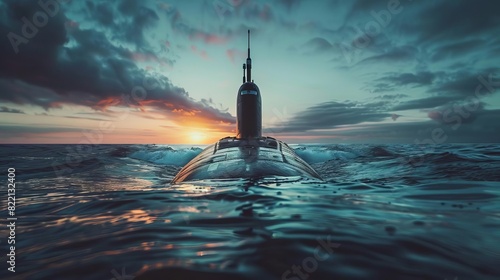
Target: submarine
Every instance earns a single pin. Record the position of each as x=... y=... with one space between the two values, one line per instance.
x=248 y=155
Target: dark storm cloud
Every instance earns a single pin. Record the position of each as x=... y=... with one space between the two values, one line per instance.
x=391 y=96
x=476 y=126
x=457 y=87
x=396 y=81
x=193 y=33
x=483 y=129
x=92 y=72
x=452 y=20
x=437 y=30
x=428 y=22
x=102 y=12
x=464 y=83
x=393 y=132
x=126 y=20
x=4 y=109
x=19 y=130
x=222 y=11
x=139 y=19
x=440 y=87
x=423 y=33
x=403 y=79
x=424 y=103
x=456 y=49
x=333 y=114
x=22 y=93
x=455 y=114
x=381 y=87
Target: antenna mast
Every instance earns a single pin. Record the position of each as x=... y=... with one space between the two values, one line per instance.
x=249 y=61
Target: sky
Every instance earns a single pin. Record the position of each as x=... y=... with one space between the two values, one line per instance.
x=167 y=72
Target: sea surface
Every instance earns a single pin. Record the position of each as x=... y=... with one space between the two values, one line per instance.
x=382 y=212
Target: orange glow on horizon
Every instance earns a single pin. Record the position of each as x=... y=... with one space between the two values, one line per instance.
x=197 y=136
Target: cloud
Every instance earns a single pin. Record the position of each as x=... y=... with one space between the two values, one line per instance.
x=84 y=118
x=403 y=79
x=457 y=49
x=127 y=20
x=182 y=26
x=102 y=12
x=96 y=70
x=17 y=130
x=394 y=55
x=424 y=103
x=457 y=31
x=482 y=130
x=457 y=20
x=332 y=114
x=4 y=109
x=257 y=11
x=395 y=81
x=456 y=113
x=391 y=96
x=441 y=88
x=93 y=54
x=463 y=83
x=318 y=44
x=208 y=38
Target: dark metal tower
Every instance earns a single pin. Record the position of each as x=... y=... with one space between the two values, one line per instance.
x=249 y=104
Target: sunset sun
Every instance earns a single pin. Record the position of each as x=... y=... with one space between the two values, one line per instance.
x=197 y=137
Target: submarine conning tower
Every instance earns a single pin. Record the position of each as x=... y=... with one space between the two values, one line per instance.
x=248 y=155
x=249 y=104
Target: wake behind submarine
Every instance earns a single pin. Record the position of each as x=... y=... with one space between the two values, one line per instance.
x=249 y=154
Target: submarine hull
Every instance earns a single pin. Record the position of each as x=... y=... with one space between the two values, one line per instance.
x=232 y=157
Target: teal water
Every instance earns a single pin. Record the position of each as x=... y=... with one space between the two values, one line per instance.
x=383 y=212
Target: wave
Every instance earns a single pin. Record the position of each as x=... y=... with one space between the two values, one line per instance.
x=317 y=154
x=166 y=155
x=379 y=151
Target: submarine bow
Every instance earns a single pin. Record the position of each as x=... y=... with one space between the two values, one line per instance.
x=248 y=154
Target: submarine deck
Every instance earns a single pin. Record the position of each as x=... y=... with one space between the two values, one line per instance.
x=232 y=157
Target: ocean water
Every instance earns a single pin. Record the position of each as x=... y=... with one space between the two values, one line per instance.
x=382 y=212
